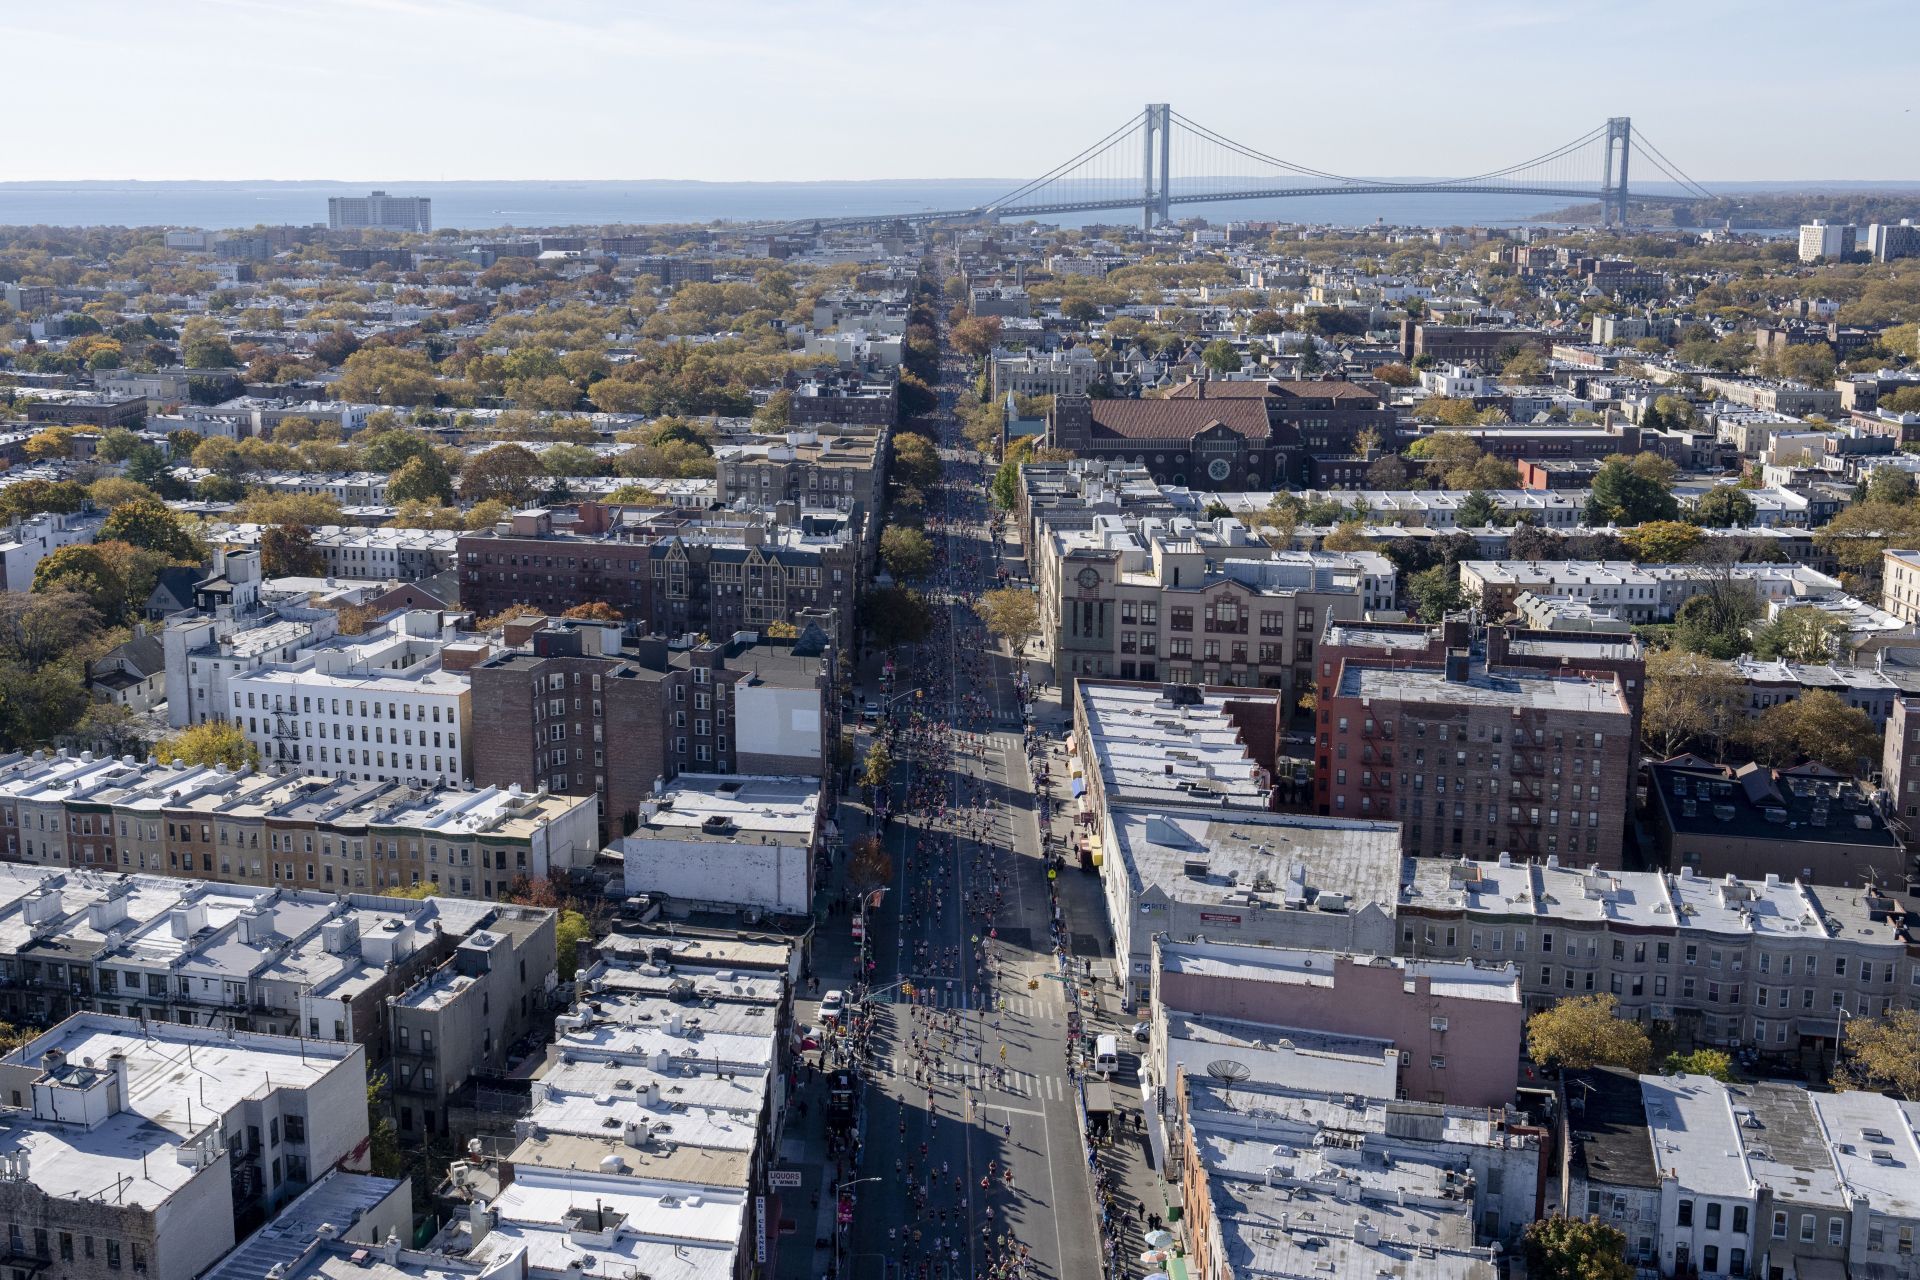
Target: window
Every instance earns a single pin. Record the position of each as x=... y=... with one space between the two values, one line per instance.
x=1739 y=1220
x=1836 y=1231
x=1779 y=1225
x=1713 y=1216
x=1806 y=1228
x=1685 y=1209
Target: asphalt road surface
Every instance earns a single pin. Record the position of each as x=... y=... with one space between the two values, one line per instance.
x=968 y=1075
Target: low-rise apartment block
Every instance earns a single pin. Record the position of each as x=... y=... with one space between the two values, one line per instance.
x=1727 y=961
x=390 y=707
x=579 y=709
x=672 y=573
x=1285 y=1181
x=1806 y=823
x=192 y=1130
x=1637 y=592
x=1175 y=804
x=295 y=830
x=814 y=470
x=1454 y=1026
x=713 y=841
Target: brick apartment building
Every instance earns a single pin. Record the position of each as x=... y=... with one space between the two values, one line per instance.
x=1229 y=436
x=1475 y=344
x=845 y=398
x=1473 y=755
x=89 y=411
x=575 y=709
x=673 y=573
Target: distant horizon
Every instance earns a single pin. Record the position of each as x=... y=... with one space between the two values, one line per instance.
x=473 y=205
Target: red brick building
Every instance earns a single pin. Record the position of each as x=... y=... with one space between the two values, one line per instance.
x=574 y=708
x=1233 y=436
x=1508 y=750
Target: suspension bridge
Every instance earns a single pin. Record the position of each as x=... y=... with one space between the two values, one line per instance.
x=1160 y=159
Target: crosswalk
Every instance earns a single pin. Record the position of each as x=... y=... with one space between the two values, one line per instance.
x=1043 y=1087
x=1043 y=1004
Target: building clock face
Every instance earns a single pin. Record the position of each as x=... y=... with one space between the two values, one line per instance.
x=1089 y=578
x=1219 y=468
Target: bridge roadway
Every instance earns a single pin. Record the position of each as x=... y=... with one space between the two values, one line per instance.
x=1218 y=197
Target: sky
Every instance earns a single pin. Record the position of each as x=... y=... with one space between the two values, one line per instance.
x=792 y=90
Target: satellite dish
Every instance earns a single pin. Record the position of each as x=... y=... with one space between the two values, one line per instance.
x=1228 y=1071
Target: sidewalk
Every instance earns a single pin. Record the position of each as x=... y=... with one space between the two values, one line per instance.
x=807 y=1249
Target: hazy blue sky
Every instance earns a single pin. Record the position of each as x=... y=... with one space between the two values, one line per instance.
x=765 y=89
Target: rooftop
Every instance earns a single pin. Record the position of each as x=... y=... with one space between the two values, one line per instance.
x=1505 y=688
x=731 y=807
x=1264 y=860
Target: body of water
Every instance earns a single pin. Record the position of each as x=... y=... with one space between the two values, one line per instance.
x=482 y=205
x=479 y=205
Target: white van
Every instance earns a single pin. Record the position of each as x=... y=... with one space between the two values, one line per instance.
x=1106 y=1054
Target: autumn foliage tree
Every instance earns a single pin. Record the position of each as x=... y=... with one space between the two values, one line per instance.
x=1585 y=1031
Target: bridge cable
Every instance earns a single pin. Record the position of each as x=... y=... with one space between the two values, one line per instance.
x=1250 y=154
x=1645 y=146
x=1057 y=171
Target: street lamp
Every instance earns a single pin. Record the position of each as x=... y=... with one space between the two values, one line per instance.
x=840 y=1227
x=1840 y=1016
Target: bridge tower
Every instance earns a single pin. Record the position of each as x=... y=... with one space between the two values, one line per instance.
x=1613 y=193
x=1156 y=194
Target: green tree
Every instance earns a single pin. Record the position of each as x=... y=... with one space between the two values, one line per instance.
x=1816 y=726
x=1558 y=1248
x=387 y=375
x=208 y=743
x=1621 y=495
x=1689 y=699
x=569 y=931
x=1700 y=1062
x=896 y=615
x=1348 y=535
x=1891 y=485
x=508 y=471
x=1477 y=511
x=1221 y=357
x=148 y=523
x=1803 y=634
x=1879 y=1054
x=87 y=570
x=1717 y=629
x=1436 y=592
x=287 y=551
x=383 y=1138
x=908 y=553
x=975 y=336
x=1012 y=614
x=1663 y=542
x=1585 y=1031
x=1723 y=507
x=877 y=769
x=31 y=497
x=423 y=478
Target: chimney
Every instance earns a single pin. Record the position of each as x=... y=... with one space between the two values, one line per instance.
x=480 y=1223
x=1458 y=663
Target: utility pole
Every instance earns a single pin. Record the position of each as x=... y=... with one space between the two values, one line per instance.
x=1155 y=197
x=1613 y=194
